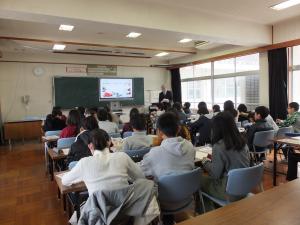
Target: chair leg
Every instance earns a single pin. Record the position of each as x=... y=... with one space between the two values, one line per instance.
x=202 y=202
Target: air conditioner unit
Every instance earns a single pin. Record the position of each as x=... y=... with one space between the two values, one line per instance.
x=200 y=44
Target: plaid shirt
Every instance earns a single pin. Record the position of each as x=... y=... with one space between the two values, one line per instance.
x=291 y=120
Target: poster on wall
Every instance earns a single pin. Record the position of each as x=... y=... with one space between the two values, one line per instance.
x=74 y=69
x=100 y=70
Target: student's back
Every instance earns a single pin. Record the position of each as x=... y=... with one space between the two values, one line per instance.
x=54 y=121
x=105 y=124
x=173 y=155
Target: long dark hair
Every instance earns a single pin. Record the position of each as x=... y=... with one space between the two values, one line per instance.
x=74 y=119
x=224 y=128
x=202 y=108
x=229 y=107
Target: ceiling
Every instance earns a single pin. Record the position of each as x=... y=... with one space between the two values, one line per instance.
x=147 y=45
x=249 y=10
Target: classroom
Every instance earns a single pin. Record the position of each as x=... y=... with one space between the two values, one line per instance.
x=136 y=112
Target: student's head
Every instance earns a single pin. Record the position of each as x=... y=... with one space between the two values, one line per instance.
x=261 y=112
x=89 y=123
x=177 y=106
x=187 y=105
x=229 y=107
x=216 y=109
x=56 y=113
x=74 y=118
x=99 y=140
x=251 y=117
x=102 y=115
x=202 y=108
x=224 y=128
x=133 y=112
x=168 y=125
x=293 y=107
x=107 y=108
x=81 y=110
x=242 y=108
x=138 y=122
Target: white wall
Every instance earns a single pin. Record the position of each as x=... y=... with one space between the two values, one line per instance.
x=17 y=79
x=287 y=30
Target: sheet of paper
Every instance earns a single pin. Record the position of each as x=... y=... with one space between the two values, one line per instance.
x=204 y=149
x=66 y=151
x=296 y=138
x=200 y=155
x=52 y=137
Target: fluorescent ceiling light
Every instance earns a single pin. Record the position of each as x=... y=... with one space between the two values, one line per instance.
x=185 y=40
x=133 y=35
x=285 y=4
x=58 y=47
x=162 y=54
x=65 y=27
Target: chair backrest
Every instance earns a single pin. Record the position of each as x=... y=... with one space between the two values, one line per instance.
x=72 y=165
x=245 y=122
x=137 y=155
x=178 y=187
x=65 y=142
x=264 y=138
x=242 y=181
x=127 y=134
x=238 y=124
x=115 y=135
x=52 y=132
x=282 y=131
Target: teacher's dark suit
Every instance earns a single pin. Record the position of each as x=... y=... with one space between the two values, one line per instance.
x=168 y=95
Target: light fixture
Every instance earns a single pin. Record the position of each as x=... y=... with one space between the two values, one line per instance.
x=58 y=47
x=185 y=40
x=162 y=54
x=285 y=4
x=65 y=27
x=133 y=35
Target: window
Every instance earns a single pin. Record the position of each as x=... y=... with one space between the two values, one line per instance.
x=295 y=87
x=224 y=67
x=235 y=79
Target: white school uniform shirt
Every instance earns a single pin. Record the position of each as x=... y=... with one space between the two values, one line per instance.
x=109 y=127
x=104 y=170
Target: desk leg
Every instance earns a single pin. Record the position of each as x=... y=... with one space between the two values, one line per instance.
x=58 y=193
x=64 y=199
x=275 y=166
x=50 y=167
x=77 y=205
x=9 y=143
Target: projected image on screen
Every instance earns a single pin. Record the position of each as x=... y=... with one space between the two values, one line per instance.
x=116 y=88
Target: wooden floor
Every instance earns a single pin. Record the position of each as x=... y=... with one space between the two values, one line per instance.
x=27 y=196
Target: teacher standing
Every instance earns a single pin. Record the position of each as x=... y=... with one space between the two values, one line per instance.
x=165 y=96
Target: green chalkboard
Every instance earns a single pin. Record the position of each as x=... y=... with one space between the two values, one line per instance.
x=70 y=92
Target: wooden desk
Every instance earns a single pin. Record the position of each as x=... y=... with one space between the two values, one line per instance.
x=22 y=130
x=53 y=157
x=64 y=190
x=277 y=206
x=288 y=141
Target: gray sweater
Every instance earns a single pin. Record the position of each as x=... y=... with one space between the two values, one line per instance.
x=138 y=140
x=173 y=155
x=224 y=160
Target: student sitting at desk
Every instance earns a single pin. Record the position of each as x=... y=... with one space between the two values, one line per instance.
x=201 y=129
x=261 y=112
x=105 y=124
x=73 y=125
x=182 y=116
x=127 y=126
x=229 y=151
x=139 y=139
x=186 y=108
x=79 y=148
x=103 y=170
x=293 y=118
x=173 y=155
x=54 y=121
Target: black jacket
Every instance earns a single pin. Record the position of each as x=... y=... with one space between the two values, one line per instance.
x=79 y=149
x=202 y=127
x=260 y=125
x=168 y=95
x=53 y=123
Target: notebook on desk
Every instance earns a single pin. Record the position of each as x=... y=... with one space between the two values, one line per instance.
x=50 y=138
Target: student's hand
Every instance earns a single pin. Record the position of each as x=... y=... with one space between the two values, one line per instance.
x=278 y=121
